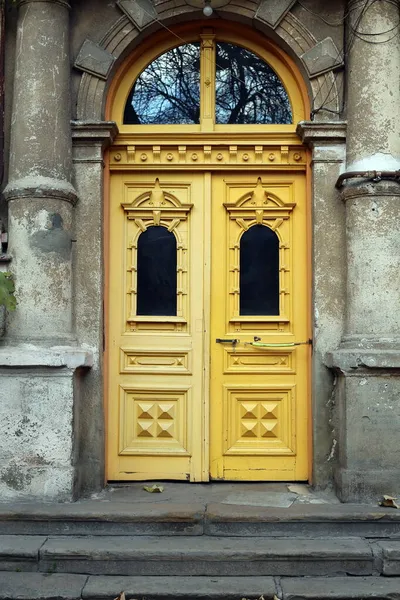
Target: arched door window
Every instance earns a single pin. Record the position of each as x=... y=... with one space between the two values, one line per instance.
x=208 y=83
x=259 y=272
x=156 y=273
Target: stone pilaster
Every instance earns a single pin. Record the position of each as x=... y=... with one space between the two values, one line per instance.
x=39 y=192
x=368 y=357
x=326 y=141
x=90 y=139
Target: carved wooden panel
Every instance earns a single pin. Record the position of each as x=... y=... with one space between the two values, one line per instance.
x=258 y=361
x=156 y=361
x=269 y=206
x=259 y=420
x=217 y=155
x=153 y=204
x=153 y=421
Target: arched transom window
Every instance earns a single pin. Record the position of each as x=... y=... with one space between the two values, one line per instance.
x=208 y=83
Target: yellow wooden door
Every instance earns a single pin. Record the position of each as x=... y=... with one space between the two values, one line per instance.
x=156 y=388
x=162 y=402
x=259 y=365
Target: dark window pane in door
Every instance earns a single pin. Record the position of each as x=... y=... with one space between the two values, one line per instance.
x=156 y=273
x=168 y=90
x=248 y=90
x=259 y=272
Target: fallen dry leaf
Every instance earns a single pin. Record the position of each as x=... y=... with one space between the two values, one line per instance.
x=389 y=501
x=153 y=489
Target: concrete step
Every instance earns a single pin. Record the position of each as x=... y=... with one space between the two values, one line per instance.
x=92 y=517
x=188 y=556
x=37 y=586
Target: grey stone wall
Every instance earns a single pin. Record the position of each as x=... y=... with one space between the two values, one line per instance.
x=346 y=301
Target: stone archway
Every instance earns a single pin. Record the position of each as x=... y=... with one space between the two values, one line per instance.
x=91 y=135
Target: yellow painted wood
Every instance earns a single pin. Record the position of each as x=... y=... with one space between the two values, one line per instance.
x=259 y=396
x=207 y=37
x=180 y=406
x=156 y=415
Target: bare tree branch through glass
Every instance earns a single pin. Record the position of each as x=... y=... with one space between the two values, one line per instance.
x=168 y=90
x=248 y=90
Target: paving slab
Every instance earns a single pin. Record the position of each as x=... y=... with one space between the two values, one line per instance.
x=171 y=588
x=37 y=586
x=20 y=552
x=341 y=588
x=212 y=556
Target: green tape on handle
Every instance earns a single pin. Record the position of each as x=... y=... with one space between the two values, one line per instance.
x=261 y=345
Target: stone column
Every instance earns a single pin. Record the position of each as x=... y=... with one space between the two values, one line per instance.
x=39 y=191
x=369 y=356
x=41 y=393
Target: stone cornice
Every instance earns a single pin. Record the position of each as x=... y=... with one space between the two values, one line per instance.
x=322 y=132
x=94 y=132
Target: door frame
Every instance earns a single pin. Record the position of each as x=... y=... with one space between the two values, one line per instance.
x=282 y=140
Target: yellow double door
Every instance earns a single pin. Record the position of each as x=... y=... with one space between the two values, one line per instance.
x=208 y=354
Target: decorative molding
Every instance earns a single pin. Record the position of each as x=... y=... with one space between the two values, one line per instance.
x=41 y=187
x=221 y=155
x=94 y=59
x=272 y=12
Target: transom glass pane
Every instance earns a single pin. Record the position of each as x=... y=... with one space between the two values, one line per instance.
x=259 y=272
x=168 y=90
x=248 y=90
x=156 y=273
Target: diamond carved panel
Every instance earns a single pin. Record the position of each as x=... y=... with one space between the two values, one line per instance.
x=259 y=420
x=153 y=421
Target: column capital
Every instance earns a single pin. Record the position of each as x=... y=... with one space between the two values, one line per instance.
x=62 y=3
x=322 y=132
